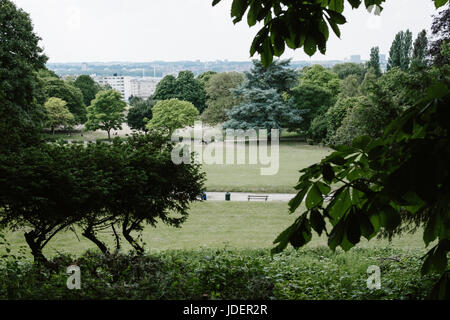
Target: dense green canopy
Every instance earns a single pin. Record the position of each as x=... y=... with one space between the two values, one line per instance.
x=21 y=110
x=184 y=87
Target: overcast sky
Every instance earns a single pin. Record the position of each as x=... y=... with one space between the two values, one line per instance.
x=170 y=30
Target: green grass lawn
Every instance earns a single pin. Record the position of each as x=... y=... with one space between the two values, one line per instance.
x=294 y=156
x=240 y=225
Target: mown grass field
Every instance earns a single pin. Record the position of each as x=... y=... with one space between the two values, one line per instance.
x=293 y=156
x=235 y=225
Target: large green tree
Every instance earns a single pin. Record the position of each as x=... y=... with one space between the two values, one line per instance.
x=337 y=114
x=172 y=114
x=312 y=100
x=58 y=88
x=220 y=96
x=106 y=112
x=53 y=187
x=350 y=86
x=265 y=99
x=374 y=61
x=21 y=110
x=321 y=76
x=40 y=193
x=263 y=109
x=165 y=88
x=185 y=87
x=57 y=114
x=276 y=76
x=318 y=91
x=88 y=87
x=134 y=182
x=383 y=100
x=400 y=52
x=140 y=113
x=419 y=59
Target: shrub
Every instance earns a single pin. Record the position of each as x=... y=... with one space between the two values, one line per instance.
x=314 y=273
x=51 y=188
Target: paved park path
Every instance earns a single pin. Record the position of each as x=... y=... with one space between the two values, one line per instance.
x=243 y=196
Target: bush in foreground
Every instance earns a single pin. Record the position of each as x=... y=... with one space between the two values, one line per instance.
x=221 y=274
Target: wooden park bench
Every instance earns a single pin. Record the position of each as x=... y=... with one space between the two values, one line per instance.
x=252 y=196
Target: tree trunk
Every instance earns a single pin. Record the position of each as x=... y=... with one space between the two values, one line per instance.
x=36 y=249
x=109 y=134
x=89 y=234
x=116 y=237
x=126 y=234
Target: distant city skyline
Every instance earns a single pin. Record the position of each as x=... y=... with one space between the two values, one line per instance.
x=190 y=30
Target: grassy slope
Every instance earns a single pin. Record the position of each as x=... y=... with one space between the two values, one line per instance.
x=215 y=225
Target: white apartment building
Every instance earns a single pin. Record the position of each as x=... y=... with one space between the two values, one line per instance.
x=355 y=58
x=143 y=87
x=119 y=83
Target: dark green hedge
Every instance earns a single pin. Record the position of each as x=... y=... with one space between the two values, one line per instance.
x=221 y=274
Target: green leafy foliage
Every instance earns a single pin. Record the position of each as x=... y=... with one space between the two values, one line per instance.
x=55 y=87
x=185 y=87
x=378 y=184
x=383 y=99
x=172 y=114
x=400 y=52
x=295 y=24
x=57 y=114
x=318 y=128
x=312 y=274
x=440 y=32
x=51 y=188
x=39 y=193
x=374 y=61
x=89 y=88
x=140 y=113
x=136 y=183
x=263 y=105
x=220 y=96
x=316 y=93
x=349 y=87
x=419 y=59
x=106 y=112
x=341 y=126
x=343 y=70
x=21 y=111
x=205 y=76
